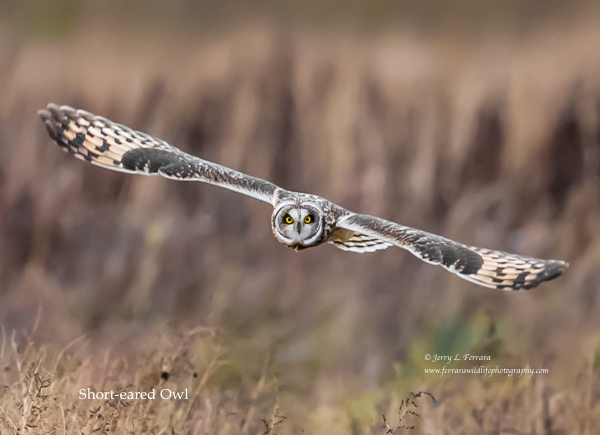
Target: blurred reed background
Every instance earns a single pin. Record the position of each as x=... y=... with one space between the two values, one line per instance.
x=476 y=120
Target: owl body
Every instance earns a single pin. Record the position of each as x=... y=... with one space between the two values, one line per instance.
x=299 y=220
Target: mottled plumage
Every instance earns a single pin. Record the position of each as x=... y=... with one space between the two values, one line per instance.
x=299 y=220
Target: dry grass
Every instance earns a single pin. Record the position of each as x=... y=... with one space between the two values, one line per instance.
x=493 y=141
x=52 y=390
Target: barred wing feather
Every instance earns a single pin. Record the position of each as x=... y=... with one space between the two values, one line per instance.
x=486 y=267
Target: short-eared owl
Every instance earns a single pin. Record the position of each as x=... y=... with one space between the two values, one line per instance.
x=299 y=220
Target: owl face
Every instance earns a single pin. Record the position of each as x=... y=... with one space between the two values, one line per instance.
x=298 y=225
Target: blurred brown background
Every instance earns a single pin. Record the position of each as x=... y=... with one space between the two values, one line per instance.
x=476 y=120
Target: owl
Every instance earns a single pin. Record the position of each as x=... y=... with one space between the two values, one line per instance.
x=299 y=220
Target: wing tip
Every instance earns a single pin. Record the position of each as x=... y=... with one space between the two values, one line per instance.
x=527 y=279
x=554 y=269
x=53 y=117
x=53 y=112
x=60 y=113
x=44 y=114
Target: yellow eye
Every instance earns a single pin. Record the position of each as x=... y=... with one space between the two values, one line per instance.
x=307 y=219
x=289 y=220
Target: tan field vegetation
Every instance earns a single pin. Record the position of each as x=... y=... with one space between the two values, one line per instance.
x=489 y=135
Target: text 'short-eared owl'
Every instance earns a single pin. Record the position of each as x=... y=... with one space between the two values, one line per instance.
x=299 y=220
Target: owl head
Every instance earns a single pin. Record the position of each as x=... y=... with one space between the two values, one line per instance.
x=298 y=225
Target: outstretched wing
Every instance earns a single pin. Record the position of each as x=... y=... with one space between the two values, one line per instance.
x=357 y=242
x=113 y=146
x=485 y=267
